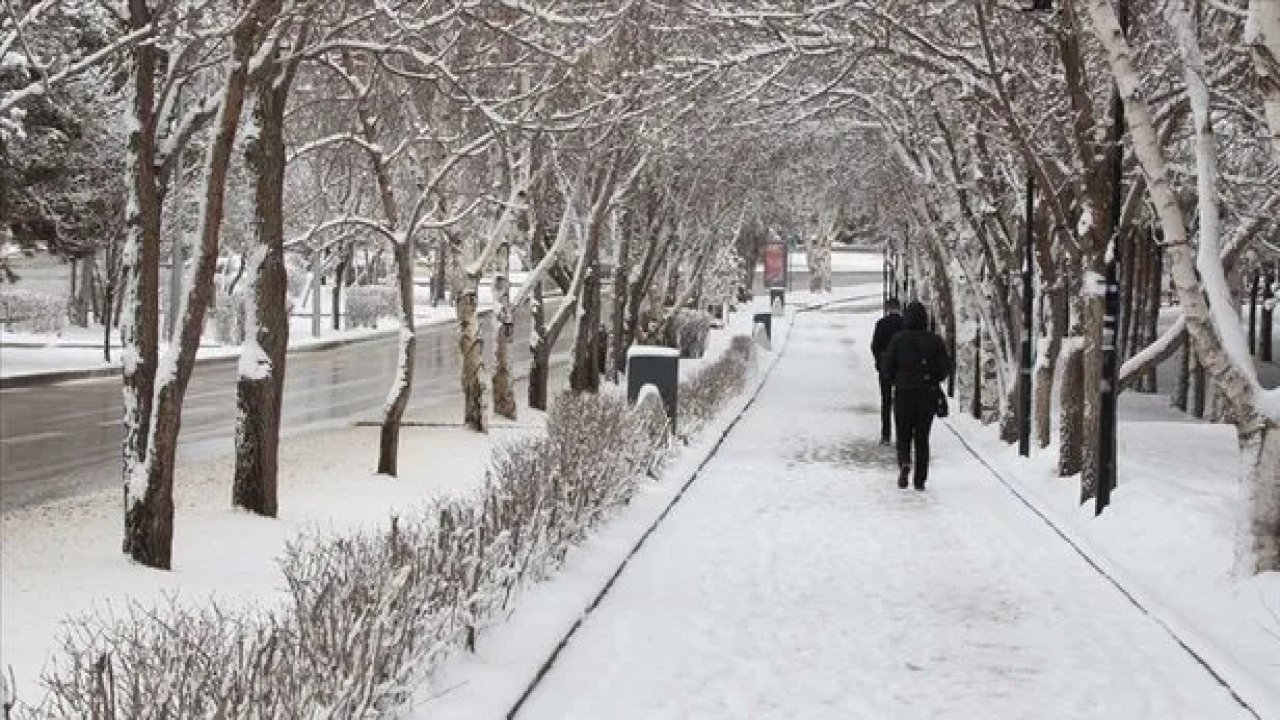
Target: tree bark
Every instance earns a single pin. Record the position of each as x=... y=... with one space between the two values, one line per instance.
x=504 y=393
x=1264 y=45
x=147 y=523
x=1092 y=310
x=585 y=376
x=1182 y=392
x=1071 y=427
x=398 y=396
x=260 y=385
x=619 y=337
x=471 y=350
x=1260 y=447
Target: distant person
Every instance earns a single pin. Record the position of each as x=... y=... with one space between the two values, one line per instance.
x=916 y=363
x=886 y=328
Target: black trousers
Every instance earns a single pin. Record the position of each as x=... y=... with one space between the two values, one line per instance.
x=886 y=408
x=913 y=413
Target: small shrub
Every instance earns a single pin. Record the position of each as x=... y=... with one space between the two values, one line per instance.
x=691 y=329
x=702 y=396
x=366 y=304
x=33 y=312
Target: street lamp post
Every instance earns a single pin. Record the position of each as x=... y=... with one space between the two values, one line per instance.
x=1110 y=374
x=1024 y=388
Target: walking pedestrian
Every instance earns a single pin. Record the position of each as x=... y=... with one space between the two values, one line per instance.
x=886 y=328
x=916 y=363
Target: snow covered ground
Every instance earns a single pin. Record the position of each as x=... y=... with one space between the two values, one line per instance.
x=794 y=580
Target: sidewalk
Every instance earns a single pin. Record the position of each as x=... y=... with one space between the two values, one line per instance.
x=794 y=580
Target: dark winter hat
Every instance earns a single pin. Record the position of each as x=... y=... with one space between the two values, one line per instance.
x=916 y=317
x=892 y=304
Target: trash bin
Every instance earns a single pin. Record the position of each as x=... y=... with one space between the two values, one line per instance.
x=766 y=319
x=656 y=366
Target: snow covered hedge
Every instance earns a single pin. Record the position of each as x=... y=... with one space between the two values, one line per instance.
x=32 y=312
x=366 y=304
x=691 y=328
x=367 y=613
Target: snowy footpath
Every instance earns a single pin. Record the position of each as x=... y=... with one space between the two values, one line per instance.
x=795 y=580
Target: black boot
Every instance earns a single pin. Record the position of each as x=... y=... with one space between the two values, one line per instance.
x=903 y=475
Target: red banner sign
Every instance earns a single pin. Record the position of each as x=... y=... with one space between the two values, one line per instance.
x=775 y=265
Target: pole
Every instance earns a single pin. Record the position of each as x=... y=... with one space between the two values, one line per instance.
x=976 y=408
x=1253 y=312
x=317 y=293
x=1028 y=309
x=906 y=261
x=1107 y=426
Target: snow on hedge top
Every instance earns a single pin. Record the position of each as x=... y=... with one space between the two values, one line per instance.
x=652 y=351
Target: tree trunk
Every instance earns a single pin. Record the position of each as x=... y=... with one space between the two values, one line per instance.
x=540 y=368
x=1199 y=392
x=147 y=522
x=317 y=295
x=1048 y=368
x=504 y=392
x=398 y=397
x=1150 y=382
x=1260 y=448
x=585 y=376
x=471 y=350
x=1182 y=391
x=1263 y=39
x=1092 y=310
x=619 y=335
x=339 y=281
x=260 y=384
x=539 y=376
x=1071 y=427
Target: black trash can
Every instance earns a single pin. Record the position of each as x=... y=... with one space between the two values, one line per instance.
x=777 y=295
x=656 y=366
x=763 y=318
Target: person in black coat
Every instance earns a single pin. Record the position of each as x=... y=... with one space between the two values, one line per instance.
x=886 y=328
x=917 y=363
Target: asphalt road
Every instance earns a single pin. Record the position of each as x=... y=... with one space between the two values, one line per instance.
x=64 y=439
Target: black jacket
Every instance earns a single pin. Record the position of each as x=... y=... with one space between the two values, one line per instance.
x=886 y=328
x=916 y=359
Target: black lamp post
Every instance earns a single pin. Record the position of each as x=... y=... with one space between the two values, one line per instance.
x=1024 y=388
x=1110 y=365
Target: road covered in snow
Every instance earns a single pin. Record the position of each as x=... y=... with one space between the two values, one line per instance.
x=795 y=580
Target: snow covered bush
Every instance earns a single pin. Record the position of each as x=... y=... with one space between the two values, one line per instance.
x=366 y=304
x=33 y=312
x=228 y=318
x=702 y=396
x=691 y=328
